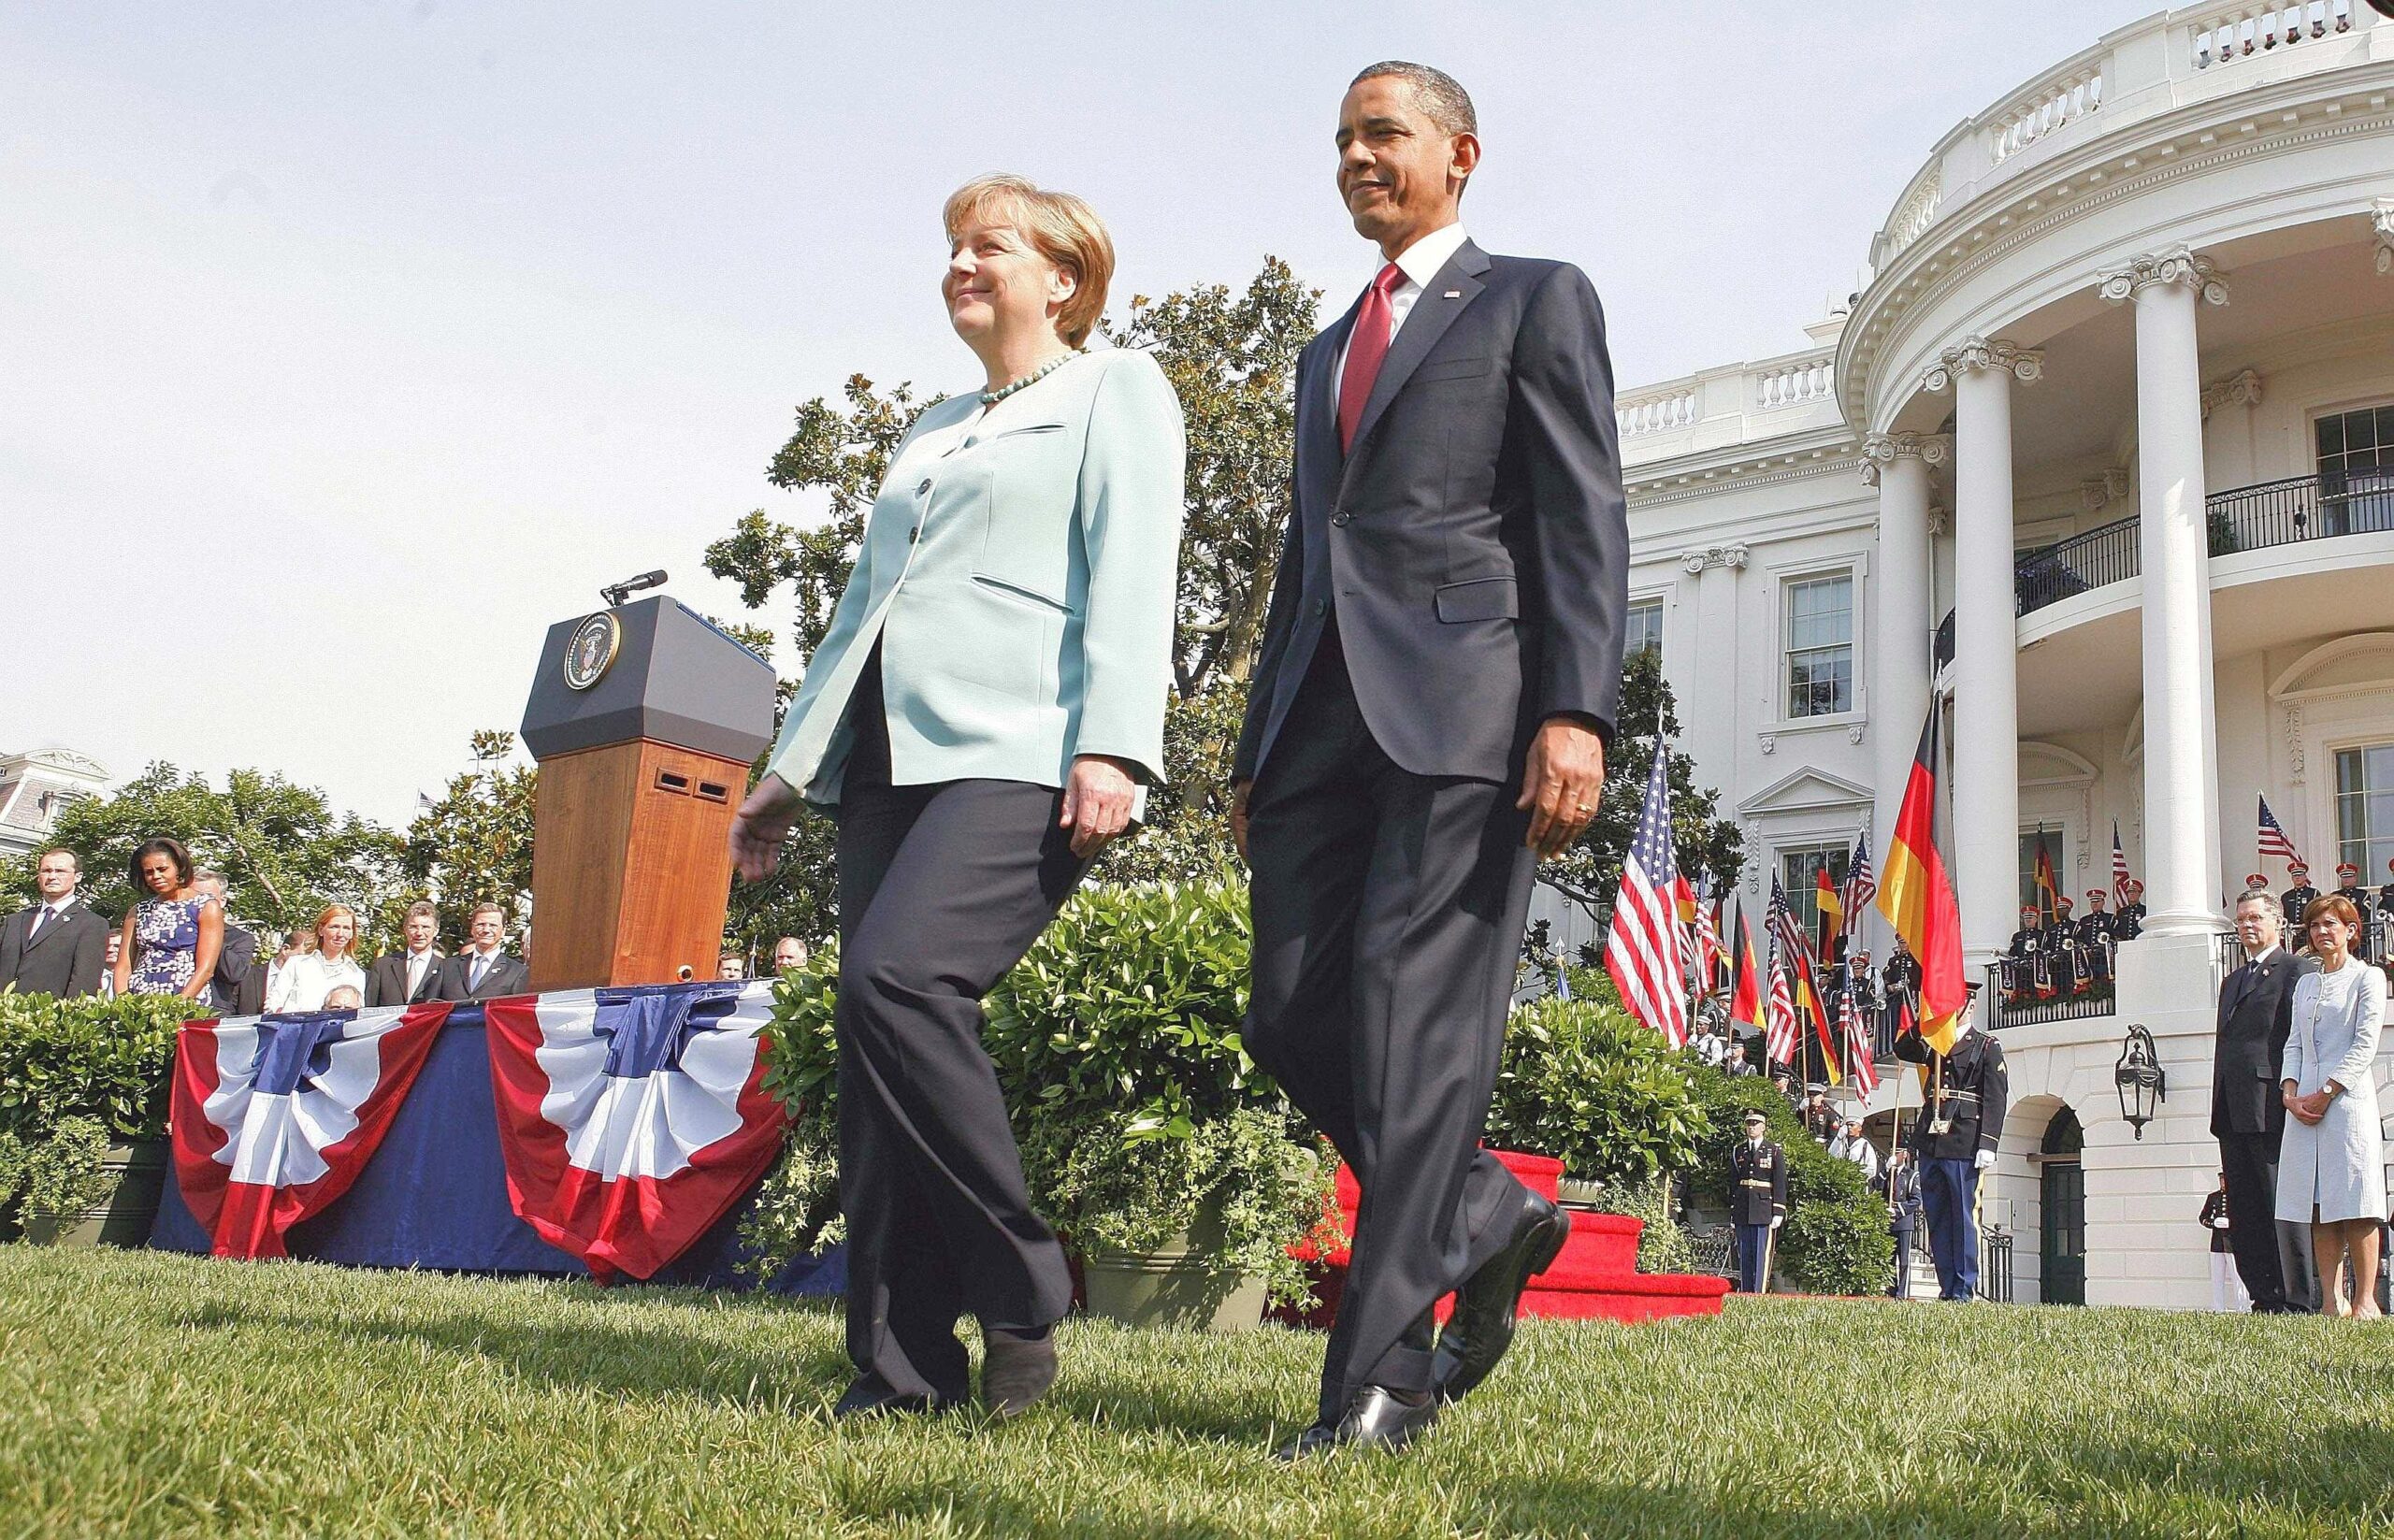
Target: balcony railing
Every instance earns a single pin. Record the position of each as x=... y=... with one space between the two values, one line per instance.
x=2247 y=518
x=2096 y=1002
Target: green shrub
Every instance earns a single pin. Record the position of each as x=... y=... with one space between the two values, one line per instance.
x=1662 y=1246
x=76 y=1076
x=1835 y=1240
x=1582 y=1081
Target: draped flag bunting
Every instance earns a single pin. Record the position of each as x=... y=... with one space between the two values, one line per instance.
x=1858 y=1047
x=2119 y=868
x=1745 y=984
x=274 y=1117
x=1916 y=896
x=631 y=1119
x=1642 y=946
x=2272 y=839
x=1780 y=1041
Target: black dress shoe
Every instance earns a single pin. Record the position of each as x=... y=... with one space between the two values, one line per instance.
x=1374 y=1420
x=1487 y=1305
x=870 y=1397
x=1016 y=1371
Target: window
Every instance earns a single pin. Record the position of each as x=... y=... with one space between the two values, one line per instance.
x=2365 y=808
x=2356 y=470
x=2049 y=841
x=1644 y=632
x=1820 y=646
x=1799 y=873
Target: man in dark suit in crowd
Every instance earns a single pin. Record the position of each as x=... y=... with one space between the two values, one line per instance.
x=1439 y=674
x=57 y=946
x=483 y=970
x=1757 y=1201
x=236 y=959
x=411 y=975
x=2247 y=1113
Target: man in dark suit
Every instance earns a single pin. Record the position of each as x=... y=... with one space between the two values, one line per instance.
x=411 y=975
x=237 y=960
x=2248 y=1114
x=483 y=970
x=1901 y=1184
x=1757 y=1202
x=1439 y=673
x=57 y=946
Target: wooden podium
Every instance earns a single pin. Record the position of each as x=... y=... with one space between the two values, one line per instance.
x=645 y=719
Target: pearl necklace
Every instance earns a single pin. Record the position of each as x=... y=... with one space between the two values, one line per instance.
x=991 y=397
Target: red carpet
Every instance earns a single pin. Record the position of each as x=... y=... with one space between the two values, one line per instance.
x=1595 y=1277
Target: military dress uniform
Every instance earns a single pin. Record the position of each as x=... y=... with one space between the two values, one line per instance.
x=1967 y=1094
x=2296 y=900
x=2385 y=922
x=1757 y=1194
x=2027 y=971
x=2061 y=941
x=2128 y=923
x=1901 y=1184
x=1899 y=992
x=2349 y=889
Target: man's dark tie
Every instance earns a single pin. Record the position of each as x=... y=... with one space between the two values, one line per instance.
x=1366 y=346
x=41 y=918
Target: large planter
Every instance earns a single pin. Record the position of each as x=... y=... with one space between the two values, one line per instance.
x=1172 y=1286
x=137 y=1180
x=1572 y=1190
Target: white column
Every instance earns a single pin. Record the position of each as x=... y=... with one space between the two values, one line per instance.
x=1709 y=715
x=1902 y=666
x=1986 y=685
x=2181 y=750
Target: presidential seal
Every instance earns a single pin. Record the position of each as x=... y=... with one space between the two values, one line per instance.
x=590 y=650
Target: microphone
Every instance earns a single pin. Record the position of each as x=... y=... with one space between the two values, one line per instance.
x=615 y=593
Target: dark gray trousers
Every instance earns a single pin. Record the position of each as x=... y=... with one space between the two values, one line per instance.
x=2250 y=1163
x=1389 y=909
x=942 y=888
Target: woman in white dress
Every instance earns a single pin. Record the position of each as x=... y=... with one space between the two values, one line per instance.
x=2331 y=1167
x=307 y=979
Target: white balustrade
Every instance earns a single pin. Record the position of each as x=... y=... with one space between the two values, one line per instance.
x=1658 y=412
x=2054 y=106
x=1791 y=385
x=2238 y=32
x=1915 y=214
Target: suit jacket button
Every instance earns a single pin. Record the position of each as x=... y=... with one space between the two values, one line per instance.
x=924 y=488
x=915 y=534
x=1342 y=518
x=1320 y=608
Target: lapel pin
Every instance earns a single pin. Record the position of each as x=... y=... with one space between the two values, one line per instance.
x=1454 y=293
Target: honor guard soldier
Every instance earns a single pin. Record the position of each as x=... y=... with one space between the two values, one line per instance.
x=2385 y=916
x=2349 y=889
x=1900 y=988
x=1757 y=1201
x=1862 y=984
x=2298 y=898
x=2128 y=923
x=1955 y=1139
x=2095 y=940
x=2023 y=964
x=2070 y=966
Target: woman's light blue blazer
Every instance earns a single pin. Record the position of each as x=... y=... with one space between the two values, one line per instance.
x=1021 y=586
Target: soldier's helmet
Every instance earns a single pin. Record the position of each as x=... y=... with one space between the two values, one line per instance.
x=2296 y=871
x=2347 y=873
x=2256 y=882
x=2094 y=896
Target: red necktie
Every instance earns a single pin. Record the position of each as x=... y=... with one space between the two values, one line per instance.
x=1365 y=347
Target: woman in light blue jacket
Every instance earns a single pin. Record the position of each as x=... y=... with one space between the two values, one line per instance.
x=983 y=716
x=2331 y=1162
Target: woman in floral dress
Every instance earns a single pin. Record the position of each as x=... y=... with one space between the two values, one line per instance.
x=171 y=937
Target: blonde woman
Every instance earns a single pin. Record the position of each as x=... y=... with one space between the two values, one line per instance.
x=982 y=714
x=2332 y=1166
x=307 y=979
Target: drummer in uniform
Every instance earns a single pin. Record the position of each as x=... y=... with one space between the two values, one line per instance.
x=1899 y=986
x=1955 y=1139
x=1757 y=1201
x=2365 y=945
x=2069 y=967
x=2128 y=923
x=2095 y=939
x=2025 y=975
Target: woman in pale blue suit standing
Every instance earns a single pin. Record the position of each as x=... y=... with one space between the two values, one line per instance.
x=983 y=716
x=2331 y=1164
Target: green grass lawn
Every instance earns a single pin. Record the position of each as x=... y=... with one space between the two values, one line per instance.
x=150 y=1394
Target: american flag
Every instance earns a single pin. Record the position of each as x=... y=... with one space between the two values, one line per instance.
x=1708 y=933
x=2119 y=868
x=2272 y=839
x=1860 y=886
x=1780 y=921
x=1642 y=947
x=1779 y=1031
x=1858 y=1047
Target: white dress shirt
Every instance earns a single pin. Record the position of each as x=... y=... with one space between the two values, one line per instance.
x=47 y=914
x=1419 y=263
x=420 y=964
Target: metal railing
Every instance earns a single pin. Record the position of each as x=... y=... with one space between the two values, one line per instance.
x=2028 y=1011
x=2244 y=518
x=1995 y=1265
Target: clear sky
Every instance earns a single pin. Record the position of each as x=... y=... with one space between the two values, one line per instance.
x=344 y=347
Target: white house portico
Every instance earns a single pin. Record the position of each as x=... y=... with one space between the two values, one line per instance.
x=2101 y=456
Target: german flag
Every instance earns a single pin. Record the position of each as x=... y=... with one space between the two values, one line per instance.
x=1808 y=999
x=1916 y=896
x=2048 y=890
x=1745 y=988
x=1832 y=909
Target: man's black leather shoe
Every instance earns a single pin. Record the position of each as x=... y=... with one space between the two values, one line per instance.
x=1374 y=1420
x=869 y=1397
x=1014 y=1372
x=1487 y=1305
